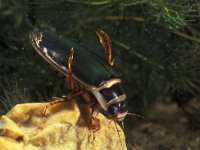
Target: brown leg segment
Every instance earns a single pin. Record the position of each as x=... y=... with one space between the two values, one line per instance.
x=62 y=100
x=71 y=83
x=94 y=122
x=118 y=133
x=106 y=43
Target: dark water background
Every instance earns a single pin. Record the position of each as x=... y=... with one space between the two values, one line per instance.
x=157 y=51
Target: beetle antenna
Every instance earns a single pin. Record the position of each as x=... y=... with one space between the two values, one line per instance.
x=118 y=133
x=135 y=115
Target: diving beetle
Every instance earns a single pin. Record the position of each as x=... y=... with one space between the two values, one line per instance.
x=87 y=74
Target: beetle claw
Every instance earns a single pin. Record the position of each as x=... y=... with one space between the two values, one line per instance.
x=94 y=124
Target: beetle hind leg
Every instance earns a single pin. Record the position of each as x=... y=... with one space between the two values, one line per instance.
x=71 y=83
x=106 y=43
x=56 y=101
x=62 y=99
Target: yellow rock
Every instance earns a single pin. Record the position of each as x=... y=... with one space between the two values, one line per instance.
x=63 y=128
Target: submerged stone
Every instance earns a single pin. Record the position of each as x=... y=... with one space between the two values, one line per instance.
x=64 y=127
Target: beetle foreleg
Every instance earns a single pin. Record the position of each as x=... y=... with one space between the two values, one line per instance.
x=118 y=133
x=62 y=100
x=94 y=123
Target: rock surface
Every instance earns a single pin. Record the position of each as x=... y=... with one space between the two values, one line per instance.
x=63 y=128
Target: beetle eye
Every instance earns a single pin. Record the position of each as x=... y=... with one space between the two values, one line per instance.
x=124 y=106
x=113 y=110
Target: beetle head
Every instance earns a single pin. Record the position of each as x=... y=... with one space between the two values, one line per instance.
x=118 y=110
x=112 y=98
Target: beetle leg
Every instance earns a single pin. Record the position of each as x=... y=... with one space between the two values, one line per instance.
x=106 y=43
x=71 y=83
x=62 y=100
x=94 y=123
x=118 y=133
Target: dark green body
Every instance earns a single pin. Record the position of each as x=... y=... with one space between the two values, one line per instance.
x=89 y=70
x=87 y=66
